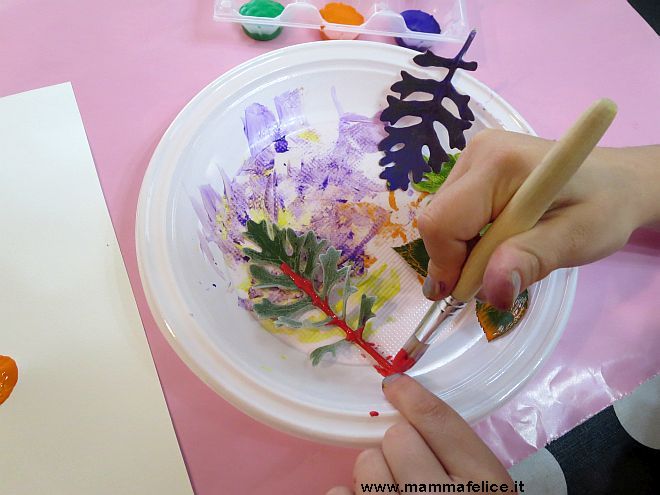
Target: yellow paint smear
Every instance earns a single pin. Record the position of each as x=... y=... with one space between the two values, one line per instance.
x=309 y=135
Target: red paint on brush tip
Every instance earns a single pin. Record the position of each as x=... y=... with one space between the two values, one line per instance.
x=402 y=362
x=373 y=414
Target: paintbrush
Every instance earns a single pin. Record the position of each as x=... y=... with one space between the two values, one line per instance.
x=521 y=213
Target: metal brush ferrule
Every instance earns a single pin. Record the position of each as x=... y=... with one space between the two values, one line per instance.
x=439 y=313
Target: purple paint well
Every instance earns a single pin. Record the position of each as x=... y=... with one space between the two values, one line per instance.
x=421 y=22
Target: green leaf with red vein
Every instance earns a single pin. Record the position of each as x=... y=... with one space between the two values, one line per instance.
x=304 y=273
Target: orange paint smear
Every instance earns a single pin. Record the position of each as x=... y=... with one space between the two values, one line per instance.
x=373 y=211
x=394 y=230
x=391 y=229
x=8 y=377
x=340 y=13
x=422 y=195
x=368 y=260
x=392 y=201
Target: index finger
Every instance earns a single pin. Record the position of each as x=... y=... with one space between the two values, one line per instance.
x=462 y=453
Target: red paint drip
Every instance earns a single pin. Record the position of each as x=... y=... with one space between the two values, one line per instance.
x=383 y=366
x=373 y=414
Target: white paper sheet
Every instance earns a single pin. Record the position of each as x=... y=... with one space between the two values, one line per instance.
x=87 y=415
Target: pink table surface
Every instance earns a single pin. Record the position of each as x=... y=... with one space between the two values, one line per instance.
x=135 y=63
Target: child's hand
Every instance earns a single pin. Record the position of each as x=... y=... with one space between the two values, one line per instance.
x=614 y=192
x=434 y=445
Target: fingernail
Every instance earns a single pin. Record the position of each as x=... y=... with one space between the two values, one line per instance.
x=433 y=289
x=389 y=379
x=481 y=296
x=515 y=281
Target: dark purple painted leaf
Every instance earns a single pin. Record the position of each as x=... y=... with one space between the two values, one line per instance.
x=404 y=158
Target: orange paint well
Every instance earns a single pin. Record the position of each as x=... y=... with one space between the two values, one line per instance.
x=340 y=13
x=8 y=377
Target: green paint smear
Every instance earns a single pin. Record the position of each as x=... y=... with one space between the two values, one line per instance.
x=432 y=181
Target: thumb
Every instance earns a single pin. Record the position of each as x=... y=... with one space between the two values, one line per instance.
x=455 y=444
x=561 y=239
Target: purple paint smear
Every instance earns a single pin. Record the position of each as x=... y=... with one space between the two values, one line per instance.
x=338 y=166
x=262 y=128
x=289 y=106
x=328 y=185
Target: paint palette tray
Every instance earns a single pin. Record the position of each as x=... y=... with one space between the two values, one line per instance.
x=380 y=18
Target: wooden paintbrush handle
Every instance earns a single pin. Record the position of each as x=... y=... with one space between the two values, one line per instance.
x=537 y=193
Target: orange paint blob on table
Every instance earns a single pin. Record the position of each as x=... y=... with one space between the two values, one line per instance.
x=8 y=377
x=340 y=13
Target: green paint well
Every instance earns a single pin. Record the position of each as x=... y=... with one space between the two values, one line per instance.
x=261 y=8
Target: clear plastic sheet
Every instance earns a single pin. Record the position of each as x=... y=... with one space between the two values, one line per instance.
x=610 y=346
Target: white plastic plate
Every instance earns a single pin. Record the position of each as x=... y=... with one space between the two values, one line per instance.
x=225 y=346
